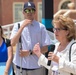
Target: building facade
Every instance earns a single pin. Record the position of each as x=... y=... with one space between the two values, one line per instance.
x=11 y=10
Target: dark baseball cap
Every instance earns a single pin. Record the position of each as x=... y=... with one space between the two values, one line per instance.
x=29 y=5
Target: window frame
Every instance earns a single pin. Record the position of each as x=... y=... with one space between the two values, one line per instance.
x=14 y=4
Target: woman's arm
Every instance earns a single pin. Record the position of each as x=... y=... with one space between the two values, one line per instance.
x=42 y=59
x=9 y=60
x=43 y=62
x=16 y=37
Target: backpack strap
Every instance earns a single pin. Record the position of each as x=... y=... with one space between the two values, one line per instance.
x=70 y=54
x=8 y=42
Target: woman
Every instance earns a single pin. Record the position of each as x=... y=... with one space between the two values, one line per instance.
x=6 y=55
x=64 y=30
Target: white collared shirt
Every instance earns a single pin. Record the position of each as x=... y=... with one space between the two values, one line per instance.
x=30 y=35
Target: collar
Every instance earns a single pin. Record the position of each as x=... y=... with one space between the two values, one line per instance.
x=68 y=46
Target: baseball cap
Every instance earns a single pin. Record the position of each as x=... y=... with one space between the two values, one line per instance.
x=29 y=4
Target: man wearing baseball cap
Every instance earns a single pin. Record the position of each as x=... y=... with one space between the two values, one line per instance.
x=31 y=32
x=29 y=5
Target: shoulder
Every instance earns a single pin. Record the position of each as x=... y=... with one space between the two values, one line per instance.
x=72 y=46
x=16 y=24
x=72 y=43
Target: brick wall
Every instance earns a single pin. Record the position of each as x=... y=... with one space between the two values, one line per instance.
x=6 y=9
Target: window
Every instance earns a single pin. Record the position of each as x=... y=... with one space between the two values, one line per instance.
x=17 y=11
x=63 y=4
x=39 y=11
x=30 y=0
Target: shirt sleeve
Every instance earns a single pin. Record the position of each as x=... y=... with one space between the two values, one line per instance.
x=43 y=61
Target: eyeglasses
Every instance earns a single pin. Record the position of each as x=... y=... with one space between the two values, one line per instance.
x=58 y=29
x=29 y=10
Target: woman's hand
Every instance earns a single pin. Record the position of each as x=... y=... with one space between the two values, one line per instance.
x=53 y=57
x=37 y=50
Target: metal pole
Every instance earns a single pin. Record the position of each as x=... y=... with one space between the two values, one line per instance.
x=47 y=16
x=20 y=46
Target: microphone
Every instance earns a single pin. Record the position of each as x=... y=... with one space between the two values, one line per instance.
x=52 y=47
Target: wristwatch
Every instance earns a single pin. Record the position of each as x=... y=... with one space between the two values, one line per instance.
x=30 y=52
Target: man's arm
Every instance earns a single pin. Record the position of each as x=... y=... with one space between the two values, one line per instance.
x=15 y=39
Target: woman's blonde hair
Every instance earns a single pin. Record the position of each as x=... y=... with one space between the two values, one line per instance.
x=66 y=23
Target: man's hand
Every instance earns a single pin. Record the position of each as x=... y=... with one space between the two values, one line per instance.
x=24 y=53
x=26 y=22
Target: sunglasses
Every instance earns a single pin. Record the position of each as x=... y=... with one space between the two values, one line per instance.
x=29 y=10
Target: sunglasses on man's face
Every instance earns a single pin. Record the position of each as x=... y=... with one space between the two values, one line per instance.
x=29 y=10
